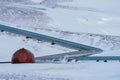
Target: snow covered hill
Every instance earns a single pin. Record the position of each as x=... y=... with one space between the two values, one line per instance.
x=94 y=23
x=36 y=17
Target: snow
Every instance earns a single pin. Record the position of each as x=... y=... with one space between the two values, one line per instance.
x=86 y=17
x=94 y=23
x=70 y=71
x=11 y=43
x=37 y=1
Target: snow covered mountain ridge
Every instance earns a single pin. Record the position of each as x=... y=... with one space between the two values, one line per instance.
x=37 y=19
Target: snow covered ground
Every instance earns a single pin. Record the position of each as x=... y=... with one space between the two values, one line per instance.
x=86 y=16
x=94 y=23
x=70 y=71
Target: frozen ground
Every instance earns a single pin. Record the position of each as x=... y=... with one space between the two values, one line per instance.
x=70 y=71
x=75 y=20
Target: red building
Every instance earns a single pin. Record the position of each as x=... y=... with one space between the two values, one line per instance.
x=23 y=56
